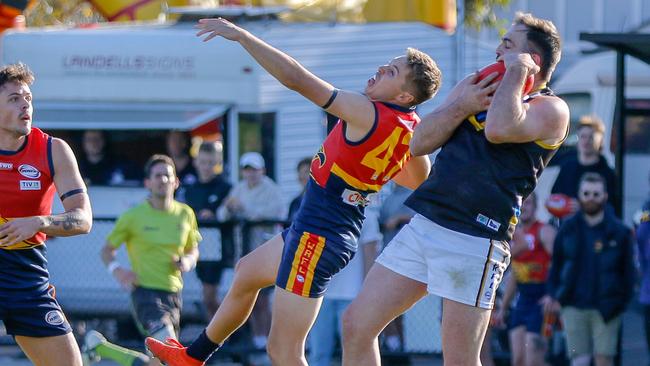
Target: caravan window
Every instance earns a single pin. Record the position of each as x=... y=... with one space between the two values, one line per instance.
x=579 y=105
x=637 y=126
x=257 y=133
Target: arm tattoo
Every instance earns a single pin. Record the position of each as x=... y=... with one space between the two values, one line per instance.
x=68 y=221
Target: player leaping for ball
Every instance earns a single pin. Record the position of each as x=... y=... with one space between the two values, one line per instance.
x=367 y=148
x=456 y=246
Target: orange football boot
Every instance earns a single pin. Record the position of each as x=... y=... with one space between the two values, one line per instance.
x=171 y=352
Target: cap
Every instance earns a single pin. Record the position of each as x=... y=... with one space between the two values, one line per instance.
x=251 y=159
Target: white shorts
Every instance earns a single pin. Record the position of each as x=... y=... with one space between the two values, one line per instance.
x=456 y=266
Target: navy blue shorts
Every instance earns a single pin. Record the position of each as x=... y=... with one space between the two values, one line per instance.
x=527 y=312
x=33 y=314
x=309 y=261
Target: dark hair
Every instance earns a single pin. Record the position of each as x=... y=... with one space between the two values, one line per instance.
x=210 y=147
x=157 y=159
x=303 y=162
x=591 y=177
x=16 y=73
x=545 y=40
x=424 y=80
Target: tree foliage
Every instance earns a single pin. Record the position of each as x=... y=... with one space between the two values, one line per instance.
x=61 y=12
x=483 y=13
x=478 y=13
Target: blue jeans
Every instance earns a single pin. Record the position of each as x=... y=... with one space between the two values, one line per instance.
x=326 y=329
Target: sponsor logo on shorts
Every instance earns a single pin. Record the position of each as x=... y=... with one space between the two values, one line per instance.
x=300 y=278
x=482 y=219
x=54 y=317
x=29 y=171
x=354 y=198
x=6 y=166
x=30 y=185
x=494 y=279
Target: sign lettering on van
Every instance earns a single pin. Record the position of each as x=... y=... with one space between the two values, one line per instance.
x=137 y=65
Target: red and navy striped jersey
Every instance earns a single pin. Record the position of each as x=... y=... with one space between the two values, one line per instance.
x=344 y=173
x=26 y=182
x=531 y=266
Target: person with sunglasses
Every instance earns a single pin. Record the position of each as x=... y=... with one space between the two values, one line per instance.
x=592 y=275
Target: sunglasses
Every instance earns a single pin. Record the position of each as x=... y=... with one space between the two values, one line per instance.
x=594 y=194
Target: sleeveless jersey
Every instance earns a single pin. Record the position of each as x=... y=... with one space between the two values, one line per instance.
x=27 y=189
x=476 y=187
x=531 y=266
x=344 y=173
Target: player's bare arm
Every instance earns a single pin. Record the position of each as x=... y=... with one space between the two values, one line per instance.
x=468 y=97
x=123 y=275
x=547 y=237
x=354 y=108
x=188 y=261
x=415 y=172
x=77 y=217
x=509 y=120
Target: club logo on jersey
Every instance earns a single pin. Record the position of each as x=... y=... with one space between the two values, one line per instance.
x=54 y=317
x=320 y=156
x=30 y=185
x=6 y=166
x=354 y=198
x=29 y=171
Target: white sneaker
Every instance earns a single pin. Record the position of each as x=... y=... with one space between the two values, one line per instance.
x=92 y=339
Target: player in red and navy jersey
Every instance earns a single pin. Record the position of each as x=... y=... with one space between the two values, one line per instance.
x=33 y=166
x=368 y=147
x=531 y=249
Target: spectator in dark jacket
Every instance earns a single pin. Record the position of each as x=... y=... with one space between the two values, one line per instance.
x=591 y=131
x=643 y=241
x=592 y=276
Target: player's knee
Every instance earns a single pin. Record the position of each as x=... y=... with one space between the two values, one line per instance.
x=282 y=352
x=352 y=332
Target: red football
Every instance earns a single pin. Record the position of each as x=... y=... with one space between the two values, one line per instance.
x=559 y=205
x=500 y=67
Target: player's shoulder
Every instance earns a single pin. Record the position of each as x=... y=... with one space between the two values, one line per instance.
x=184 y=209
x=551 y=105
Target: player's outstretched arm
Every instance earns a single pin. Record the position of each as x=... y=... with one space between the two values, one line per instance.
x=414 y=172
x=468 y=97
x=545 y=118
x=77 y=217
x=354 y=108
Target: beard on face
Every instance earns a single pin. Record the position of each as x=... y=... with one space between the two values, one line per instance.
x=591 y=208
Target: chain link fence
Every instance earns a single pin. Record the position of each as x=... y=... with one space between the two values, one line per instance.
x=87 y=291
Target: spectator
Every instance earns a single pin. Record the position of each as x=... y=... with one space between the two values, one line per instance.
x=531 y=248
x=205 y=196
x=97 y=164
x=342 y=290
x=643 y=242
x=303 y=177
x=178 y=148
x=256 y=197
x=591 y=276
x=161 y=237
x=590 y=132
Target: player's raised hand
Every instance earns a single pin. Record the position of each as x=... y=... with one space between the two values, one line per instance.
x=474 y=95
x=219 y=27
